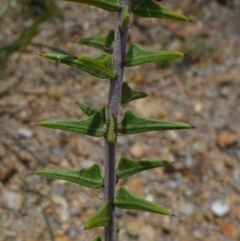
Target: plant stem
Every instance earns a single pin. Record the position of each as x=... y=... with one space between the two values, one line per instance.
x=114 y=103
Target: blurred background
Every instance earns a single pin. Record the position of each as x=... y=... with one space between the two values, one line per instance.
x=202 y=187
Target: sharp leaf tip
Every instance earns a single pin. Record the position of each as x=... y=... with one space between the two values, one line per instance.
x=193 y=127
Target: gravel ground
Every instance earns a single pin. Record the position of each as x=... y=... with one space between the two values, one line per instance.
x=201 y=188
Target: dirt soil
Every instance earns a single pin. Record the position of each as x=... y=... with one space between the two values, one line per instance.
x=202 y=187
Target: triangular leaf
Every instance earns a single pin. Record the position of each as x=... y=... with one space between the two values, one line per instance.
x=151 y=9
x=89 y=177
x=99 y=67
x=128 y=167
x=129 y=94
x=92 y=126
x=86 y=109
x=132 y=124
x=137 y=55
x=104 y=43
x=101 y=218
x=126 y=200
x=109 y=5
x=102 y=65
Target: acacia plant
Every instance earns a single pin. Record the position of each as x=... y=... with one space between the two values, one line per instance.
x=105 y=122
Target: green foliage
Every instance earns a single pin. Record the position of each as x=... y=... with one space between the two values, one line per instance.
x=86 y=109
x=92 y=126
x=126 y=200
x=100 y=67
x=150 y=9
x=132 y=124
x=125 y=19
x=97 y=239
x=137 y=55
x=109 y=5
x=104 y=43
x=89 y=177
x=111 y=130
x=106 y=125
x=129 y=94
x=101 y=218
x=128 y=167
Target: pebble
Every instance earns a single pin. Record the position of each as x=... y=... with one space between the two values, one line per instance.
x=7 y=168
x=198 y=106
x=227 y=229
x=147 y=233
x=137 y=150
x=165 y=224
x=199 y=147
x=62 y=238
x=173 y=185
x=11 y=200
x=226 y=139
x=53 y=159
x=136 y=186
x=133 y=229
x=25 y=156
x=79 y=147
x=25 y=133
x=187 y=208
x=61 y=207
x=150 y=108
x=2 y=151
x=220 y=208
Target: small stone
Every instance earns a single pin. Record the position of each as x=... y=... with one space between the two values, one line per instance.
x=173 y=185
x=136 y=186
x=25 y=156
x=53 y=159
x=61 y=207
x=138 y=78
x=199 y=217
x=220 y=208
x=198 y=106
x=165 y=224
x=62 y=238
x=186 y=238
x=133 y=229
x=11 y=200
x=149 y=197
x=137 y=150
x=200 y=147
x=24 y=133
x=54 y=94
x=226 y=139
x=150 y=108
x=147 y=233
x=31 y=239
x=227 y=229
x=79 y=147
x=187 y=208
x=41 y=90
x=225 y=91
x=2 y=151
x=7 y=169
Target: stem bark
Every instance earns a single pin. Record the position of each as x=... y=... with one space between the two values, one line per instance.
x=114 y=102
